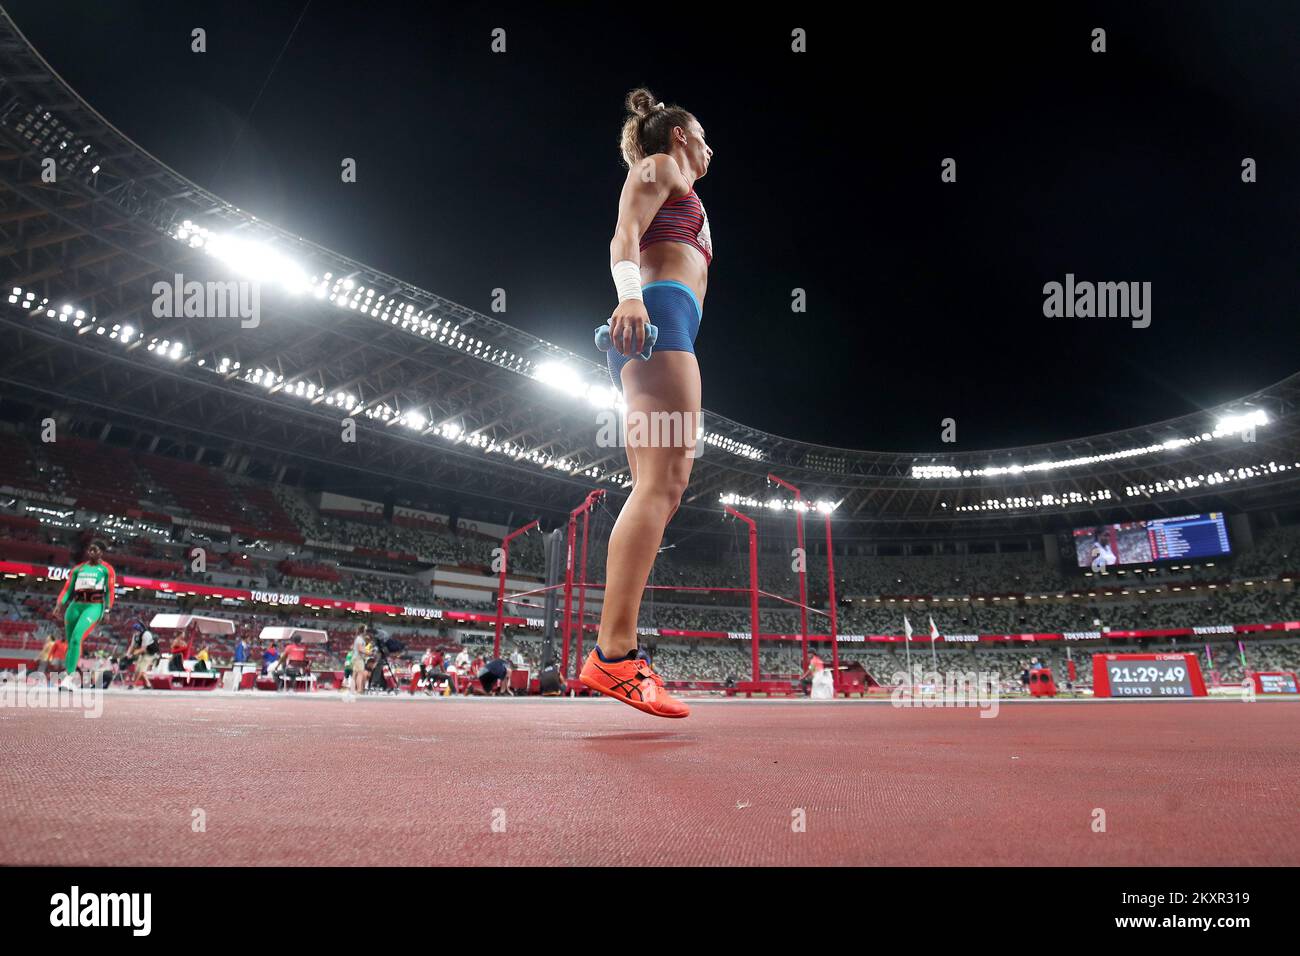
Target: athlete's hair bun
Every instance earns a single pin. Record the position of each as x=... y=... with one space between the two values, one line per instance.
x=641 y=102
x=649 y=125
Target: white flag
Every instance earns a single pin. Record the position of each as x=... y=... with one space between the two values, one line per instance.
x=934 y=631
x=907 y=627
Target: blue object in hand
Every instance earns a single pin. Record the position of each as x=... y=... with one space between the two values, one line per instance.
x=604 y=343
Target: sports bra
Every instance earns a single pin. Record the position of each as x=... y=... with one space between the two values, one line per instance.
x=681 y=220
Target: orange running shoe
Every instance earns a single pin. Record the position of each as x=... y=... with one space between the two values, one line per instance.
x=633 y=682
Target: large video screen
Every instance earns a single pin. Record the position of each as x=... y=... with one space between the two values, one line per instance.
x=1141 y=542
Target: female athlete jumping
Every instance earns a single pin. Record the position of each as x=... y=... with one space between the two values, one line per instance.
x=660 y=257
x=88 y=594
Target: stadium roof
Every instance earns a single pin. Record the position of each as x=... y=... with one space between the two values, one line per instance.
x=447 y=397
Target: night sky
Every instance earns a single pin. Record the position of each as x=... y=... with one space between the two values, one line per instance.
x=479 y=170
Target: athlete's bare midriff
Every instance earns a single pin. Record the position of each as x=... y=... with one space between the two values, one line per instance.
x=677 y=261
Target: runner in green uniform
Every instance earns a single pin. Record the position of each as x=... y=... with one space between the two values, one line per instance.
x=88 y=596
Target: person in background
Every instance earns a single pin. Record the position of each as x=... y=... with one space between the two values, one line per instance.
x=493 y=675
x=180 y=646
x=423 y=671
x=294 y=662
x=269 y=657
x=203 y=662
x=440 y=671
x=815 y=664
x=359 y=675
x=517 y=660
x=241 y=650
x=1102 y=556
x=143 y=651
x=46 y=655
x=101 y=668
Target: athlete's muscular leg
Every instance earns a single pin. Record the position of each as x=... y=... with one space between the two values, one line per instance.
x=660 y=451
x=87 y=617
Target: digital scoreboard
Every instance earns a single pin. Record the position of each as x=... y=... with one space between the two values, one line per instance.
x=1147 y=676
x=1274 y=682
x=1142 y=542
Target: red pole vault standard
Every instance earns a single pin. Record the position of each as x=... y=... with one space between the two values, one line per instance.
x=803 y=563
x=753 y=584
x=830 y=582
x=582 y=587
x=501 y=582
x=582 y=509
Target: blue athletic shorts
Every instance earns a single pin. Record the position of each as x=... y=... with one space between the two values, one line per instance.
x=672 y=307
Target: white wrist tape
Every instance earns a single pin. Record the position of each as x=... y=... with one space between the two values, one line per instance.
x=627 y=279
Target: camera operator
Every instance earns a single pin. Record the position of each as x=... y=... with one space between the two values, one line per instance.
x=378 y=666
x=143 y=650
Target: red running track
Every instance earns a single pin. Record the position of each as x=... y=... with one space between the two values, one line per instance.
x=322 y=781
